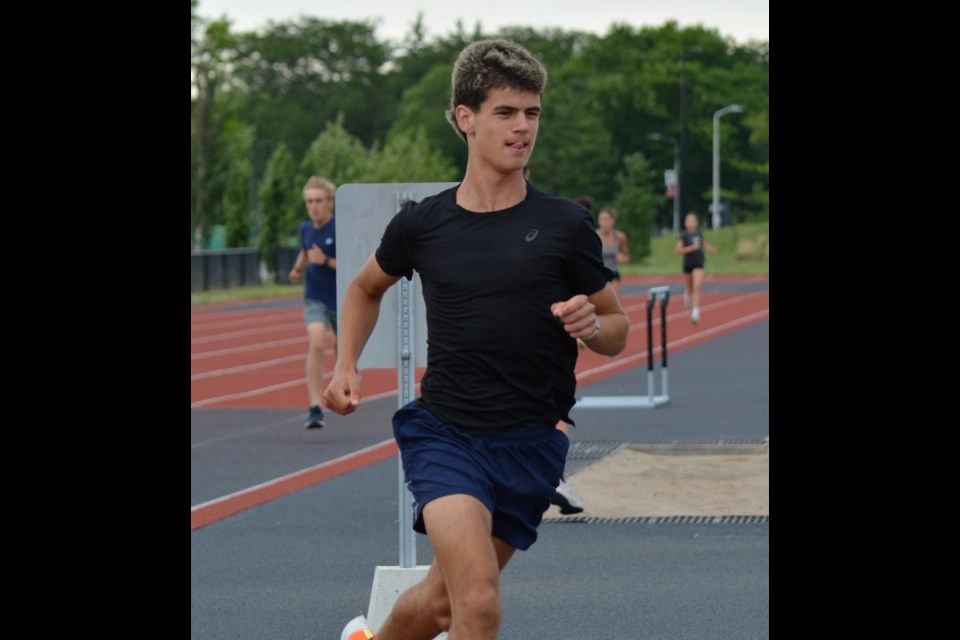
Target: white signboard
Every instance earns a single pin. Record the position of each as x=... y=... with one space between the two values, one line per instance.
x=669 y=178
x=362 y=213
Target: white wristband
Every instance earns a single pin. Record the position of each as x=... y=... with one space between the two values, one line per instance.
x=596 y=330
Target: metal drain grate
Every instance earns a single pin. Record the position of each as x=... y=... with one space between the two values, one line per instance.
x=751 y=441
x=584 y=453
x=663 y=520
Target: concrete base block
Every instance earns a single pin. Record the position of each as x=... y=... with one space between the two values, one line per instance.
x=388 y=584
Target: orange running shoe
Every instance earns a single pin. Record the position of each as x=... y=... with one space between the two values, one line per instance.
x=357 y=629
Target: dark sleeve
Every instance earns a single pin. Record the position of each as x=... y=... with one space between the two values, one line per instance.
x=588 y=273
x=303 y=238
x=393 y=254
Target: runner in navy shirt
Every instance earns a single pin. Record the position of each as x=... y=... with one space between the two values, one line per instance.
x=318 y=254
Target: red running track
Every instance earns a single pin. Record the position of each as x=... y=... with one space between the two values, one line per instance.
x=255 y=358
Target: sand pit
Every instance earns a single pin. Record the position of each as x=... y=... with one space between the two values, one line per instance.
x=636 y=481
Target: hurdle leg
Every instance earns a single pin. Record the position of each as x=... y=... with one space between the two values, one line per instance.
x=651 y=301
x=663 y=344
x=650 y=400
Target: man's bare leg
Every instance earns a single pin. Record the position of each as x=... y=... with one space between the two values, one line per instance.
x=461 y=593
x=317 y=333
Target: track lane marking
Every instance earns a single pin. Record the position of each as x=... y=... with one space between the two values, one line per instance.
x=219 y=508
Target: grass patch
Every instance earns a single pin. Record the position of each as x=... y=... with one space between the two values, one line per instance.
x=265 y=290
x=741 y=250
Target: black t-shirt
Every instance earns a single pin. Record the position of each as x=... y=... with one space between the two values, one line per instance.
x=696 y=258
x=497 y=358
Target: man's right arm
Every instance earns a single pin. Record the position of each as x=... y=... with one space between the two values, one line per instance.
x=358 y=317
x=298 y=265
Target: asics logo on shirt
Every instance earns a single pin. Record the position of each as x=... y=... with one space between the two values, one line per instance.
x=531 y=235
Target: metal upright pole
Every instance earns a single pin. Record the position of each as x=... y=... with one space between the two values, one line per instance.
x=684 y=128
x=676 y=195
x=735 y=108
x=676 y=172
x=665 y=298
x=406 y=371
x=651 y=301
x=716 y=171
x=684 y=136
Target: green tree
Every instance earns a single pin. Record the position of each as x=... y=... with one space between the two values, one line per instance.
x=237 y=177
x=758 y=206
x=287 y=83
x=297 y=75
x=210 y=56
x=416 y=89
x=553 y=47
x=341 y=158
x=631 y=80
x=409 y=158
x=280 y=199
x=574 y=154
x=722 y=72
x=336 y=155
x=423 y=107
x=635 y=203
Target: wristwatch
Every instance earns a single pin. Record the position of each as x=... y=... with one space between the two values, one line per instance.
x=326 y=261
x=596 y=329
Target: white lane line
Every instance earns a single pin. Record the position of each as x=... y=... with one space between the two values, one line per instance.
x=220 y=323
x=250 y=347
x=248 y=332
x=620 y=362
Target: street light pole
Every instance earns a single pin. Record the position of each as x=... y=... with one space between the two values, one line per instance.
x=684 y=134
x=733 y=108
x=676 y=172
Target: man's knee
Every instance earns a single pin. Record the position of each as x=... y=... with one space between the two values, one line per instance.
x=481 y=607
x=317 y=332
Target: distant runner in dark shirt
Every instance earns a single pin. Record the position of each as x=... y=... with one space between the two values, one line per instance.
x=691 y=245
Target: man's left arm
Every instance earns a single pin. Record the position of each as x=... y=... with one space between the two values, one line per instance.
x=611 y=339
x=597 y=319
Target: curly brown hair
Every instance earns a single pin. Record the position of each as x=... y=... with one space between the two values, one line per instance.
x=492 y=64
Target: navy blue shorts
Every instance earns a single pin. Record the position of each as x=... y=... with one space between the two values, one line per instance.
x=513 y=474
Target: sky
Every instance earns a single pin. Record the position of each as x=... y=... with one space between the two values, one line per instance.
x=741 y=20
